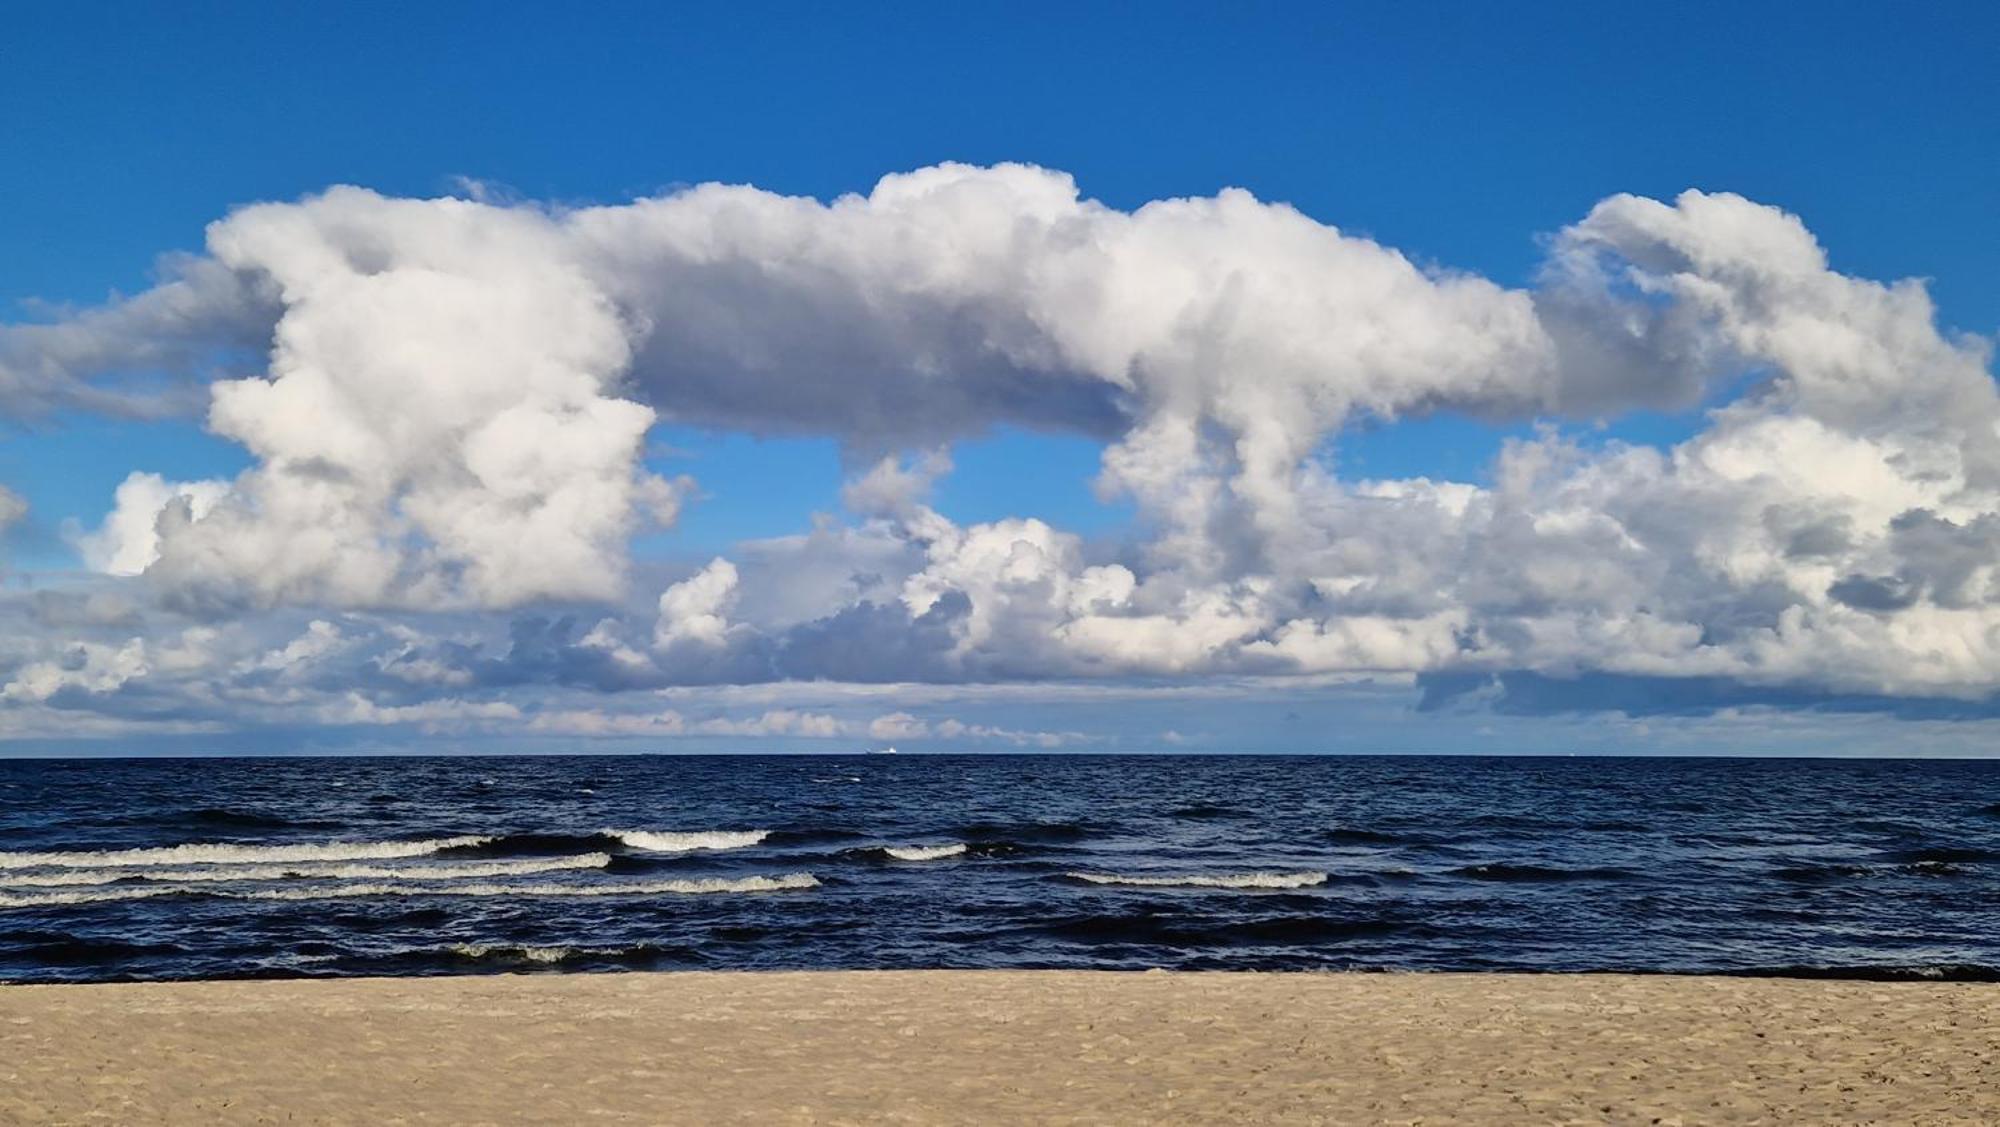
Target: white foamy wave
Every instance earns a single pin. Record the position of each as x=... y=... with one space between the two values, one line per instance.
x=54 y=899
x=925 y=852
x=221 y=853
x=532 y=954
x=787 y=882
x=308 y=871
x=664 y=841
x=1196 y=880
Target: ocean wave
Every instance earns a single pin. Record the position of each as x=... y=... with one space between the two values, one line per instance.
x=64 y=949
x=787 y=882
x=816 y=836
x=1038 y=833
x=1155 y=928
x=925 y=852
x=306 y=871
x=1197 y=880
x=665 y=841
x=515 y=957
x=1811 y=874
x=1507 y=873
x=98 y=896
x=226 y=817
x=536 y=845
x=691 y=887
x=1945 y=855
x=241 y=819
x=1352 y=835
x=641 y=841
x=479 y=952
x=1868 y=972
x=226 y=853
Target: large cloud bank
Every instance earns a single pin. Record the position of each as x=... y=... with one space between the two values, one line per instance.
x=452 y=413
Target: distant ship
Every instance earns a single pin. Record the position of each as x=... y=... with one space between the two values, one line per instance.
x=882 y=751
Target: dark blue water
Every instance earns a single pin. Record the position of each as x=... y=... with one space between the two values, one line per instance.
x=230 y=867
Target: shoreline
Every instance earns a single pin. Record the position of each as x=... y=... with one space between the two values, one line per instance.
x=556 y=966
x=1001 y=1046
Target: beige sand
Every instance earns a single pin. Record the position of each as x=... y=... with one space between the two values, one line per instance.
x=1002 y=1047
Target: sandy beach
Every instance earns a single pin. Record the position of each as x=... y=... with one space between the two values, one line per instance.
x=961 y=1047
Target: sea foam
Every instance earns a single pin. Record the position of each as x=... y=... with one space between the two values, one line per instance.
x=666 y=841
x=307 y=871
x=1196 y=880
x=787 y=882
x=224 y=853
x=925 y=852
x=531 y=954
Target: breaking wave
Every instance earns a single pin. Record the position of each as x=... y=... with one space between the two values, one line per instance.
x=545 y=955
x=1196 y=880
x=223 y=853
x=925 y=852
x=662 y=841
x=307 y=871
x=787 y=882
x=56 y=899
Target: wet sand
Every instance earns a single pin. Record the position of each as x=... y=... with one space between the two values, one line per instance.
x=1002 y=1047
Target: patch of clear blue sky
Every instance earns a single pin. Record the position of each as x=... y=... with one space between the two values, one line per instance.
x=1457 y=132
x=67 y=469
x=1008 y=473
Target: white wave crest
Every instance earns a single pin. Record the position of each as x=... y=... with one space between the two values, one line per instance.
x=1196 y=880
x=223 y=853
x=665 y=841
x=532 y=954
x=97 y=896
x=308 y=871
x=650 y=888
x=925 y=852
x=787 y=882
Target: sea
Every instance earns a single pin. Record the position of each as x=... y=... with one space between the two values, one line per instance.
x=138 y=869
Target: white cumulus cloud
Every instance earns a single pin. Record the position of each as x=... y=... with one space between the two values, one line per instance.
x=451 y=413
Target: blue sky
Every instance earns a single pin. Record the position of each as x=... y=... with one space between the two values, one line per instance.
x=1464 y=136
x=1457 y=132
